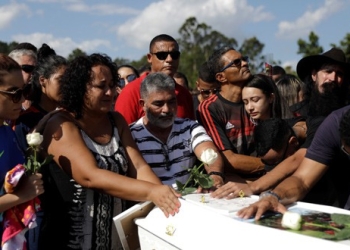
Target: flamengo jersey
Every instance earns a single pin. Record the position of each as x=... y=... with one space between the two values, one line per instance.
x=170 y=161
x=228 y=124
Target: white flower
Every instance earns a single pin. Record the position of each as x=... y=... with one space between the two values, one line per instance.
x=208 y=156
x=292 y=220
x=34 y=139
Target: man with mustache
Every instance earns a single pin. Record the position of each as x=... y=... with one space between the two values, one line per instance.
x=320 y=171
x=164 y=56
x=325 y=76
x=170 y=144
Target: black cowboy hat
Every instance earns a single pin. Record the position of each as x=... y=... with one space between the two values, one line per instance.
x=307 y=64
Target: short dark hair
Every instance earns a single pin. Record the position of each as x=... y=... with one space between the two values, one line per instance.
x=7 y=65
x=162 y=37
x=204 y=73
x=76 y=78
x=272 y=133
x=278 y=70
x=27 y=46
x=344 y=128
x=215 y=62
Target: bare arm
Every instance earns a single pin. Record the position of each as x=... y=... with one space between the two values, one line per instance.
x=63 y=140
x=217 y=166
x=28 y=188
x=290 y=190
x=243 y=163
x=279 y=173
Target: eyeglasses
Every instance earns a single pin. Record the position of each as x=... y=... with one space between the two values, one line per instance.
x=344 y=150
x=164 y=54
x=129 y=78
x=17 y=94
x=28 y=68
x=236 y=63
x=207 y=92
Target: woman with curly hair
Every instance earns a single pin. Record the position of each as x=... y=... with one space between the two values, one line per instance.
x=96 y=162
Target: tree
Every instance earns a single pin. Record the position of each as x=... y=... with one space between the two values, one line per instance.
x=75 y=53
x=6 y=48
x=345 y=46
x=197 y=42
x=311 y=48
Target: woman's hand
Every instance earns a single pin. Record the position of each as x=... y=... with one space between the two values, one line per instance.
x=257 y=209
x=166 y=198
x=232 y=190
x=30 y=186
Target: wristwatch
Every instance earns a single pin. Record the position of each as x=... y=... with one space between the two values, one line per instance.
x=269 y=193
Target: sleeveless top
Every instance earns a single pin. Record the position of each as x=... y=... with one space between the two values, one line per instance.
x=80 y=218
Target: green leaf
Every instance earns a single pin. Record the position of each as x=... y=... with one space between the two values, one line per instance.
x=179 y=185
x=205 y=181
x=188 y=190
x=343 y=234
x=340 y=218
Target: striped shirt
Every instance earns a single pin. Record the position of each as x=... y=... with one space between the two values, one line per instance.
x=170 y=161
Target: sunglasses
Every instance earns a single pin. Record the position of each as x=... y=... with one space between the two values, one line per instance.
x=207 y=92
x=164 y=54
x=28 y=68
x=236 y=63
x=16 y=95
x=129 y=78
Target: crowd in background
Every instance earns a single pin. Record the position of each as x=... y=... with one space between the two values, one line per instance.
x=120 y=135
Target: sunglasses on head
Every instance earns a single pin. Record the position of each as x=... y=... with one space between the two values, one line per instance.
x=27 y=68
x=235 y=63
x=208 y=91
x=16 y=95
x=129 y=78
x=164 y=54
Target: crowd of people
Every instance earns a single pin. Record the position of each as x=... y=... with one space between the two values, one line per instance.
x=118 y=135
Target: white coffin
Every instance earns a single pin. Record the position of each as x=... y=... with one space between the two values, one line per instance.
x=198 y=226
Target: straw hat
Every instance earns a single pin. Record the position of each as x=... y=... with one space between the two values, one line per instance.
x=309 y=63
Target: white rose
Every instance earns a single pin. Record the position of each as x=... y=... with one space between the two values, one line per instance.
x=292 y=220
x=34 y=139
x=209 y=156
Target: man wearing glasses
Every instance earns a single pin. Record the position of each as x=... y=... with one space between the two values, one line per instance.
x=27 y=59
x=163 y=56
x=170 y=144
x=225 y=119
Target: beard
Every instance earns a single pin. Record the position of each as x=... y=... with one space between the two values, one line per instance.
x=332 y=97
x=161 y=121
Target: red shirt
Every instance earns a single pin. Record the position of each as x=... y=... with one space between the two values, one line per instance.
x=128 y=101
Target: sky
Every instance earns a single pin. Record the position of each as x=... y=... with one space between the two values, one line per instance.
x=124 y=28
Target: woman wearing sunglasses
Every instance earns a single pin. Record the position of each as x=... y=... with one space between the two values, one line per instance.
x=11 y=98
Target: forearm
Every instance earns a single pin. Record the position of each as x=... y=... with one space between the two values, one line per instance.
x=279 y=173
x=120 y=186
x=242 y=163
x=145 y=173
x=8 y=201
x=291 y=190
